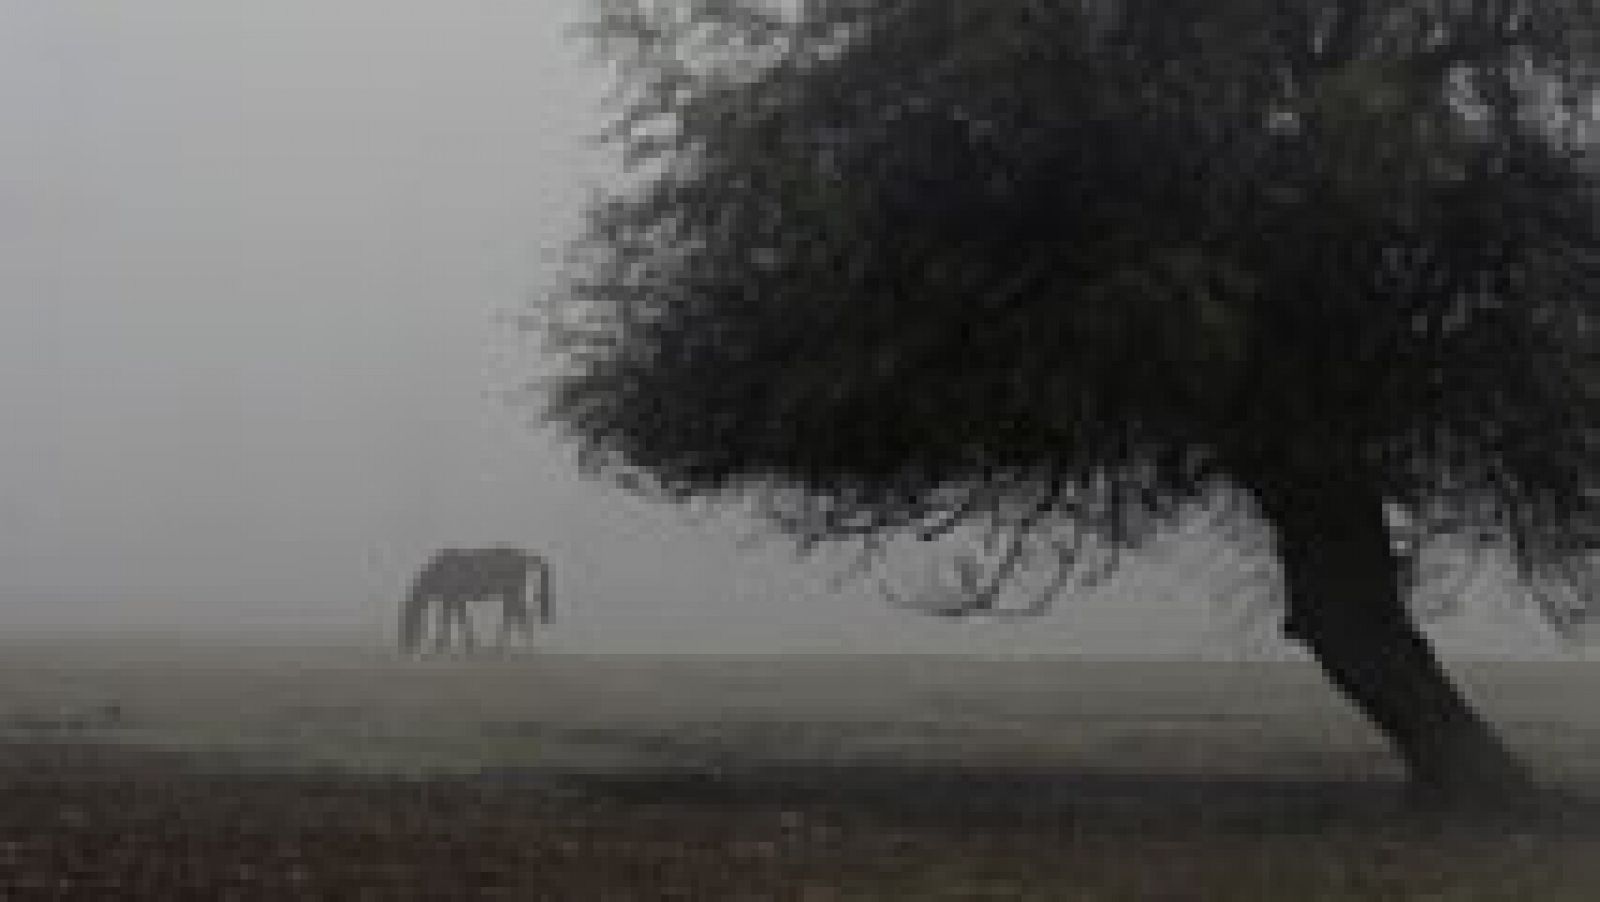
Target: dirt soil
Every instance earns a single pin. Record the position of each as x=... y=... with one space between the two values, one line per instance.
x=81 y=821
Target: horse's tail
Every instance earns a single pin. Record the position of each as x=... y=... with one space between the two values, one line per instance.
x=411 y=616
x=540 y=568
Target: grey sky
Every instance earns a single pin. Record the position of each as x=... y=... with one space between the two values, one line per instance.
x=251 y=256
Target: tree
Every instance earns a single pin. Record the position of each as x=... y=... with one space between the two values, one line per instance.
x=1095 y=269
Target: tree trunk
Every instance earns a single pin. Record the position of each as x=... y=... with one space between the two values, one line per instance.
x=1345 y=605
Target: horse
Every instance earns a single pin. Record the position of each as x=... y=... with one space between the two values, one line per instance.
x=453 y=577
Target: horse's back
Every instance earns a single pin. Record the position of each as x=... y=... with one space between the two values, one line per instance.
x=487 y=571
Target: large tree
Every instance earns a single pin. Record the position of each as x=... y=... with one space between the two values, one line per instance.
x=1087 y=268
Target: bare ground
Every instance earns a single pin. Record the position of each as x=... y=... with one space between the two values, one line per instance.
x=82 y=822
x=101 y=814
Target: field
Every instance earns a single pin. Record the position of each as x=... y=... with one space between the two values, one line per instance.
x=174 y=772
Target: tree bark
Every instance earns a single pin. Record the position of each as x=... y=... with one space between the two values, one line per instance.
x=1346 y=606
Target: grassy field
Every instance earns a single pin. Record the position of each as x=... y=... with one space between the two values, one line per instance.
x=343 y=772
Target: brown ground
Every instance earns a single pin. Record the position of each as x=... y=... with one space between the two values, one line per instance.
x=806 y=778
x=93 y=822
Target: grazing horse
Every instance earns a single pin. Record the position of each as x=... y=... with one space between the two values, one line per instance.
x=454 y=577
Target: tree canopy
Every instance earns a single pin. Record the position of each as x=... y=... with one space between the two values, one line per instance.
x=918 y=259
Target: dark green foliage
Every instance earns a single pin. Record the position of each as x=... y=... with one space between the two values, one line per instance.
x=1093 y=264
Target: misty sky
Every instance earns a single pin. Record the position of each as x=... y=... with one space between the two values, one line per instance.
x=251 y=261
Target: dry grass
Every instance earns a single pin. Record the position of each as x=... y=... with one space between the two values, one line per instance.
x=568 y=779
x=93 y=823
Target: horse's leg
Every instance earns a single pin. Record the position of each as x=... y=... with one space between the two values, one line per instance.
x=514 y=616
x=503 y=639
x=413 y=621
x=441 y=642
x=468 y=640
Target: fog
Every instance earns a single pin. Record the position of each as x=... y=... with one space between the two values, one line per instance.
x=255 y=262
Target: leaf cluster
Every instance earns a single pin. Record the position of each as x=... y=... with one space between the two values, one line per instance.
x=896 y=263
